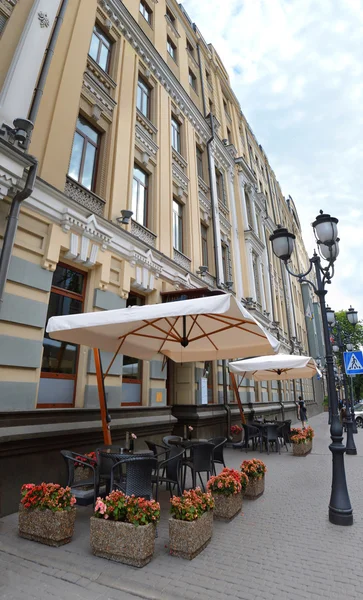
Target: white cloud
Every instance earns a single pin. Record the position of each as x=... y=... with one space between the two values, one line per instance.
x=296 y=67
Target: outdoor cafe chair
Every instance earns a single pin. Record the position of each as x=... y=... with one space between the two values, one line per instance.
x=174 y=438
x=270 y=434
x=200 y=461
x=139 y=476
x=251 y=433
x=218 y=458
x=171 y=469
x=83 y=497
x=157 y=449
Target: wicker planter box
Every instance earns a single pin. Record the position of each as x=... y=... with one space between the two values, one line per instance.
x=227 y=507
x=47 y=527
x=302 y=449
x=188 y=538
x=123 y=542
x=255 y=488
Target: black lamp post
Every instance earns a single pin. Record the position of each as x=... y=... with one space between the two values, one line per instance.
x=338 y=347
x=326 y=233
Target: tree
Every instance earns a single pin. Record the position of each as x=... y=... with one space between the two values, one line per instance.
x=350 y=334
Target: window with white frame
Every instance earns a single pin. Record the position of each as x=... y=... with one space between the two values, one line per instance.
x=256 y=277
x=146 y=11
x=177 y=225
x=140 y=184
x=175 y=135
x=171 y=48
x=143 y=97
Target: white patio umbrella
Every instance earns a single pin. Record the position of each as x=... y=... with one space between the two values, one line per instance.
x=211 y=328
x=279 y=367
x=202 y=329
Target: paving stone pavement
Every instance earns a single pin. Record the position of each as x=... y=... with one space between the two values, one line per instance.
x=282 y=546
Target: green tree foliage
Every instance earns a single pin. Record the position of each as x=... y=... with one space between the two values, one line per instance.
x=354 y=335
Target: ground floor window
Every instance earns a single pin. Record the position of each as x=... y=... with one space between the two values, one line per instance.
x=58 y=376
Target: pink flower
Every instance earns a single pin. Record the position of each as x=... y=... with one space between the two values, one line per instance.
x=133 y=436
x=190 y=428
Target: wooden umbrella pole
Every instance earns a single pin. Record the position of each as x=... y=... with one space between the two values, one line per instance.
x=102 y=397
x=236 y=393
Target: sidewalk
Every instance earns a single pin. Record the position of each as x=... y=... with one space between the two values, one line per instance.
x=281 y=548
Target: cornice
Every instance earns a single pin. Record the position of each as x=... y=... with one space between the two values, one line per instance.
x=245 y=171
x=118 y=13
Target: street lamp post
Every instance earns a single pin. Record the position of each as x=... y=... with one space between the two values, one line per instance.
x=338 y=347
x=326 y=233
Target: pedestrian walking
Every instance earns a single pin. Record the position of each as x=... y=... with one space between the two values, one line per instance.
x=302 y=415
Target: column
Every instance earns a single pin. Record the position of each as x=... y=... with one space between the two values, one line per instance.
x=17 y=92
x=215 y=209
x=235 y=236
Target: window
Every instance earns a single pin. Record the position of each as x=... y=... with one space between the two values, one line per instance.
x=132 y=367
x=140 y=195
x=192 y=80
x=225 y=262
x=177 y=226
x=145 y=11
x=208 y=77
x=204 y=237
x=190 y=48
x=143 y=98
x=225 y=107
x=175 y=134
x=171 y=48
x=82 y=166
x=249 y=212
x=220 y=186
x=59 y=362
x=229 y=138
x=199 y=154
x=3 y=21
x=171 y=17
x=211 y=107
x=100 y=49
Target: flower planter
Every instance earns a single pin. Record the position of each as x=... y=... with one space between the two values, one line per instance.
x=45 y=526
x=302 y=449
x=227 y=507
x=255 y=488
x=123 y=542
x=188 y=538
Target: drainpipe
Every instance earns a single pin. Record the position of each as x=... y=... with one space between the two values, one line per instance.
x=49 y=52
x=12 y=225
x=20 y=196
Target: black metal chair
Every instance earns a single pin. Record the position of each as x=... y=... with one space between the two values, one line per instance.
x=251 y=433
x=285 y=433
x=157 y=449
x=270 y=434
x=218 y=458
x=139 y=476
x=200 y=461
x=175 y=438
x=83 y=497
x=171 y=469
x=105 y=461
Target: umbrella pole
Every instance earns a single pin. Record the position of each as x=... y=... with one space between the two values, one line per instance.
x=236 y=393
x=102 y=398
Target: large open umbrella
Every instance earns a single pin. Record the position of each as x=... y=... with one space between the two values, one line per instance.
x=279 y=367
x=201 y=329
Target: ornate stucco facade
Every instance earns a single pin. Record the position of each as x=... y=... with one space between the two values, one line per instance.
x=137 y=113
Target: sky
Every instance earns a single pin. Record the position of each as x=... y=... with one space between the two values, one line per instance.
x=296 y=67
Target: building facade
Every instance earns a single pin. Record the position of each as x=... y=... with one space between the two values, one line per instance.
x=134 y=112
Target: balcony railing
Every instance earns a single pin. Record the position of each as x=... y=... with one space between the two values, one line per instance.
x=182 y=260
x=85 y=197
x=143 y=233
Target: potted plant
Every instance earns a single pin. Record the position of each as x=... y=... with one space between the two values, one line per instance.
x=123 y=528
x=82 y=470
x=191 y=523
x=47 y=513
x=302 y=441
x=255 y=470
x=226 y=489
x=236 y=431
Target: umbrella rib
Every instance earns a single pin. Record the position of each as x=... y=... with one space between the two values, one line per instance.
x=204 y=335
x=114 y=357
x=146 y=323
x=211 y=333
x=167 y=333
x=221 y=319
x=252 y=332
x=172 y=326
x=192 y=325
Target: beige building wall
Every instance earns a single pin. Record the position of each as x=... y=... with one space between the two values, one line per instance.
x=63 y=222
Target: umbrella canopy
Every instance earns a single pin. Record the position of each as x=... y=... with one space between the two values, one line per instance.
x=279 y=367
x=215 y=327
